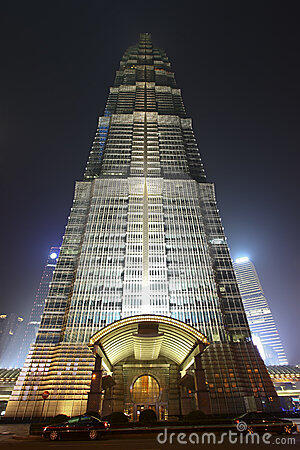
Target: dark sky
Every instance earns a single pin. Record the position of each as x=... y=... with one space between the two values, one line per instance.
x=237 y=64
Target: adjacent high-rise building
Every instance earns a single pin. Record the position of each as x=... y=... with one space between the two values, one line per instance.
x=32 y=326
x=9 y=327
x=259 y=315
x=143 y=310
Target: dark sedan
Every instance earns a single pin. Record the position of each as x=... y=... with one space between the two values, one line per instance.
x=77 y=427
x=262 y=422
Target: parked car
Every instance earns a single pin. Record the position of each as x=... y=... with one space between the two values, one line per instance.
x=84 y=426
x=260 y=422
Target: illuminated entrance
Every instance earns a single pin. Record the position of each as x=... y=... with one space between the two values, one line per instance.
x=145 y=390
x=145 y=393
x=139 y=363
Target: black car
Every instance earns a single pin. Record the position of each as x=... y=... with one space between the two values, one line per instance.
x=77 y=427
x=262 y=422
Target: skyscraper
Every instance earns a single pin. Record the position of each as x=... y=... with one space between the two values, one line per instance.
x=259 y=315
x=37 y=310
x=143 y=309
x=9 y=327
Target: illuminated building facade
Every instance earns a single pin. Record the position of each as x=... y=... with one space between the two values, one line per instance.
x=286 y=380
x=259 y=315
x=10 y=325
x=143 y=297
x=8 y=378
x=37 y=310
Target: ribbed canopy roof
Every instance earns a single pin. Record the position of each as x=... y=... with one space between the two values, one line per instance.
x=176 y=339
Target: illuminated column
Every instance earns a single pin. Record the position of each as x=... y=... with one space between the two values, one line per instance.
x=202 y=395
x=94 y=397
x=174 y=392
x=145 y=303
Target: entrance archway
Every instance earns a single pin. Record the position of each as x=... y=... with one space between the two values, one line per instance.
x=158 y=350
x=145 y=394
x=145 y=390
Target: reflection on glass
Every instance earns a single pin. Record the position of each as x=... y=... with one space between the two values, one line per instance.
x=145 y=390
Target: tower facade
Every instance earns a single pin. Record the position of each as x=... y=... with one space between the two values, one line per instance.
x=259 y=315
x=37 y=310
x=144 y=278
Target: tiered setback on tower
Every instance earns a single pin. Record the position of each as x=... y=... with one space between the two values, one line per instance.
x=144 y=236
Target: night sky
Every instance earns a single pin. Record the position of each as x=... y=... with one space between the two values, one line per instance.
x=237 y=64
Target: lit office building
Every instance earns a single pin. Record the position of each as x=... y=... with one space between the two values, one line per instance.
x=10 y=325
x=37 y=310
x=143 y=309
x=260 y=319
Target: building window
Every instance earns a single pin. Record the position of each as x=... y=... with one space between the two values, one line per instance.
x=145 y=390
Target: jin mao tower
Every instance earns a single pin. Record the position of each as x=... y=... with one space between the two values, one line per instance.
x=143 y=310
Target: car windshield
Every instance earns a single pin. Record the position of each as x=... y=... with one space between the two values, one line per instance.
x=87 y=419
x=73 y=420
x=258 y=415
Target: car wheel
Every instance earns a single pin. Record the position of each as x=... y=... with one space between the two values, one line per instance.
x=93 y=435
x=53 y=436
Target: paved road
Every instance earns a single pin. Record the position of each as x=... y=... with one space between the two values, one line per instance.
x=16 y=437
x=132 y=443
x=7 y=431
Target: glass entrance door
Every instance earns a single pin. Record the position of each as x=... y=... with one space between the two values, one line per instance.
x=140 y=408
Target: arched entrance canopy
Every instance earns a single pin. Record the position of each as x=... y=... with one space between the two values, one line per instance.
x=147 y=337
